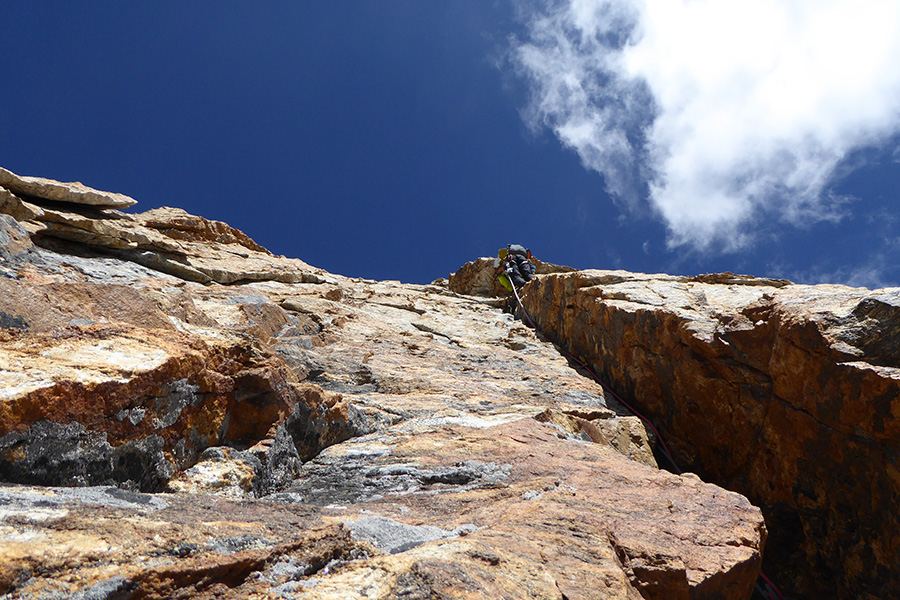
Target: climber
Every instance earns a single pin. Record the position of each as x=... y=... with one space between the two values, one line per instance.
x=514 y=266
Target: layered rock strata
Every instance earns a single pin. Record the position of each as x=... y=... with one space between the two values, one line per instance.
x=787 y=393
x=316 y=436
x=57 y=191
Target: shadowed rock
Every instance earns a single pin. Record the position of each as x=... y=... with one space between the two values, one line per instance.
x=787 y=393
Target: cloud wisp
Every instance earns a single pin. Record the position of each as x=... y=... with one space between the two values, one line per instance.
x=724 y=115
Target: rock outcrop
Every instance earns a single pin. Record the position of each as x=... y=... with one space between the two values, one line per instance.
x=478 y=277
x=789 y=394
x=245 y=425
x=55 y=191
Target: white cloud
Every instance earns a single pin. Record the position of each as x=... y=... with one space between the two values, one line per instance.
x=877 y=271
x=723 y=114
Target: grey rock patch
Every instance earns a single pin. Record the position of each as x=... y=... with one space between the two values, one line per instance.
x=294 y=590
x=466 y=529
x=392 y=536
x=289 y=569
x=14 y=239
x=311 y=430
x=328 y=480
x=20 y=500
x=286 y=498
x=288 y=590
x=282 y=464
x=181 y=395
x=164 y=262
x=366 y=419
x=215 y=454
x=81 y=322
x=230 y=545
x=97 y=269
x=52 y=454
x=247 y=299
x=115 y=588
x=8 y=321
x=184 y=549
x=582 y=397
x=129 y=414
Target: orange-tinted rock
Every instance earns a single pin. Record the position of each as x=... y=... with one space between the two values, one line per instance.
x=165 y=239
x=46 y=307
x=17 y=208
x=126 y=385
x=789 y=394
x=477 y=278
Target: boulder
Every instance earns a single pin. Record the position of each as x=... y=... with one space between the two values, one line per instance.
x=126 y=384
x=181 y=225
x=123 y=365
x=477 y=278
x=453 y=512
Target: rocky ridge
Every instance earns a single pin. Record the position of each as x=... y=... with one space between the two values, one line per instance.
x=244 y=425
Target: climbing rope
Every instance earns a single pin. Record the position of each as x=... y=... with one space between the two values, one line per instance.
x=767 y=589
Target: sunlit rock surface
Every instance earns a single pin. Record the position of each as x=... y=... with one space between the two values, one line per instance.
x=71 y=193
x=244 y=425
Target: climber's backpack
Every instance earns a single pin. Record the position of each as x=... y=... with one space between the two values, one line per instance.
x=517 y=249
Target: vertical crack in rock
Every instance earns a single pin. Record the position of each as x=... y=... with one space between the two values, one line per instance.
x=787 y=393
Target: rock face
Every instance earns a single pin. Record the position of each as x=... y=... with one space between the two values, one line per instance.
x=789 y=394
x=244 y=425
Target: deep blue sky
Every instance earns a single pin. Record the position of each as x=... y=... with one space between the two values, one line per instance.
x=373 y=139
